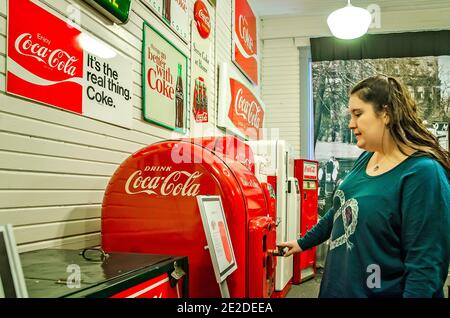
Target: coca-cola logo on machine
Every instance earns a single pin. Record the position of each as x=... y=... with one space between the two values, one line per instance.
x=202 y=19
x=245 y=111
x=245 y=48
x=310 y=170
x=174 y=183
x=45 y=61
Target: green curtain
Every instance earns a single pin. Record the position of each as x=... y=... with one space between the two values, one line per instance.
x=374 y=46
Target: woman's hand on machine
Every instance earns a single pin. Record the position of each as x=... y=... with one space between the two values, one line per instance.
x=292 y=246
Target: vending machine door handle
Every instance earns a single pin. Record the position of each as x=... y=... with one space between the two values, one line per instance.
x=277 y=221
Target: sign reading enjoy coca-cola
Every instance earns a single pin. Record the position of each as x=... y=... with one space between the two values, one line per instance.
x=45 y=62
x=240 y=110
x=173 y=182
x=245 y=39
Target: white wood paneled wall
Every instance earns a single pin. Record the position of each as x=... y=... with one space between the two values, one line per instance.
x=55 y=165
x=280 y=85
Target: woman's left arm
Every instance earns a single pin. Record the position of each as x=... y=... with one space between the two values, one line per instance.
x=425 y=229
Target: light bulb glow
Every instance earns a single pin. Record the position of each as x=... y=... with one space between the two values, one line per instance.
x=349 y=22
x=95 y=47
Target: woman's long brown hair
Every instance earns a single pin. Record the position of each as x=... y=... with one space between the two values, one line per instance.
x=388 y=94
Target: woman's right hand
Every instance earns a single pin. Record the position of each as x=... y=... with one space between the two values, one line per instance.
x=292 y=246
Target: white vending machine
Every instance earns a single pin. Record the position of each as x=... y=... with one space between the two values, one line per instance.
x=274 y=164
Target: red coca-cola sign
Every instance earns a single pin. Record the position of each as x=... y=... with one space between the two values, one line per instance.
x=245 y=40
x=202 y=19
x=45 y=61
x=245 y=111
x=310 y=170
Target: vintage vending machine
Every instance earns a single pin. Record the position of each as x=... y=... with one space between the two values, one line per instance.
x=150 y=206
x=274 y=164
x=306 y=172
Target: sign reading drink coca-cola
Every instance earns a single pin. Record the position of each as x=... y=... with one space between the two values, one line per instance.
x=163 y=181
x=49 y=62
x=240 y=110
x=245 y=39
x=45 y=63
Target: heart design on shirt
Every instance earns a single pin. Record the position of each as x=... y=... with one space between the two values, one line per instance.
x=348 y=210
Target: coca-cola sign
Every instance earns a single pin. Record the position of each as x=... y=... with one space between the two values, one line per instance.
x=58 y=59
x=45 y=61
x=171 y=183
x=310 y=170
x=245 y=39
x=202 y=19
x=245 y=111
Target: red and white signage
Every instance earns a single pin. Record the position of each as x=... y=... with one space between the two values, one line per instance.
x=176 y=183
x=240 y=110
x=45 y=62
x=201 y=55
x=310 y=170
x=49 y=61
x=245 y=40
x=157 y=287
x=202 y=19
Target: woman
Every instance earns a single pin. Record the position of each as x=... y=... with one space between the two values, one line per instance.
x=389 y=224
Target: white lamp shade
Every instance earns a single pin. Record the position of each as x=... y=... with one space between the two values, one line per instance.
x=349 y=22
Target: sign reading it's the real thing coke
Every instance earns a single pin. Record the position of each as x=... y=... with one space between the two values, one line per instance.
x=46 y=55
x=51 y=60
x=245 y=40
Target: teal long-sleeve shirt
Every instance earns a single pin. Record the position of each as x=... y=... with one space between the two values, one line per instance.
x=390 y=234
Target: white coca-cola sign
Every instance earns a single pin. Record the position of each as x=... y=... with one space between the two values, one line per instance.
x=57 y=58
x=173 y=184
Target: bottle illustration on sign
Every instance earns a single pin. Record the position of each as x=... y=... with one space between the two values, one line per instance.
x=179 y=100
x=166 y=10
x=204 y=99
x=200 y=107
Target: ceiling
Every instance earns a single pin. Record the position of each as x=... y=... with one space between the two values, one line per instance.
x=272 y=8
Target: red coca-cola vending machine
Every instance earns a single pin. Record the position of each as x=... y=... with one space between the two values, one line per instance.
x=306 y=173
x=150 y=206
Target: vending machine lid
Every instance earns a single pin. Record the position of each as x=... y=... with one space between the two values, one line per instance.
x=47 y=271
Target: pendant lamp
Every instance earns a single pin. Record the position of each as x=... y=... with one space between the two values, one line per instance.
x=349 y=22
